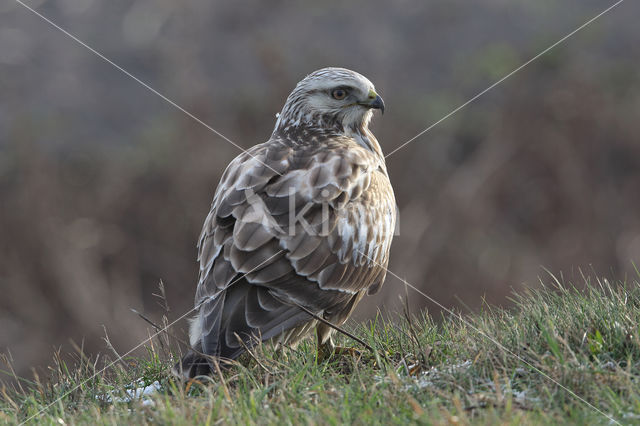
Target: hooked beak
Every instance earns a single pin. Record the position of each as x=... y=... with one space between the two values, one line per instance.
x=374 y=102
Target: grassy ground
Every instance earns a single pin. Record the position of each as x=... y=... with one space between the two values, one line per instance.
x=422 y=371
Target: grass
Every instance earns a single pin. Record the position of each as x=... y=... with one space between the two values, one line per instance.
x=422 y=371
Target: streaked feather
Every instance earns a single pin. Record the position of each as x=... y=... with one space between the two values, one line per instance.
x=256 y=266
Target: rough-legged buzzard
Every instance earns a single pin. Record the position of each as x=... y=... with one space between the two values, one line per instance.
x=303 y=220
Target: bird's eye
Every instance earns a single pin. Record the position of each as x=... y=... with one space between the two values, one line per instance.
x=339 y=94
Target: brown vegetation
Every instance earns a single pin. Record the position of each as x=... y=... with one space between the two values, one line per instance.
x=104 y=186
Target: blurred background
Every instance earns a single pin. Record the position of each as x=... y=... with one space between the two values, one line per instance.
x=104 y=186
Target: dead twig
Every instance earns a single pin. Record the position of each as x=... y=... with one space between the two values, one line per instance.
x=341 y=330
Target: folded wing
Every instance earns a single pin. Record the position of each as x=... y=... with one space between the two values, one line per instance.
x=289 y=228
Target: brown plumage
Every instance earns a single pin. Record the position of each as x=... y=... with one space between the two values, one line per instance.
x=304 y=219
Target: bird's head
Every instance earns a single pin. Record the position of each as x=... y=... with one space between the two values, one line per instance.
x=331 y=99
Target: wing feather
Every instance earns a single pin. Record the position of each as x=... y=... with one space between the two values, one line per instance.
x=258 y=261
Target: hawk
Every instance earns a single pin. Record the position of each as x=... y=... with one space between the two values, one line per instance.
x=299 y=224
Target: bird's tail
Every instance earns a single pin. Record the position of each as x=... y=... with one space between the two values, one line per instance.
x=240 y=316
x=192 y=365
